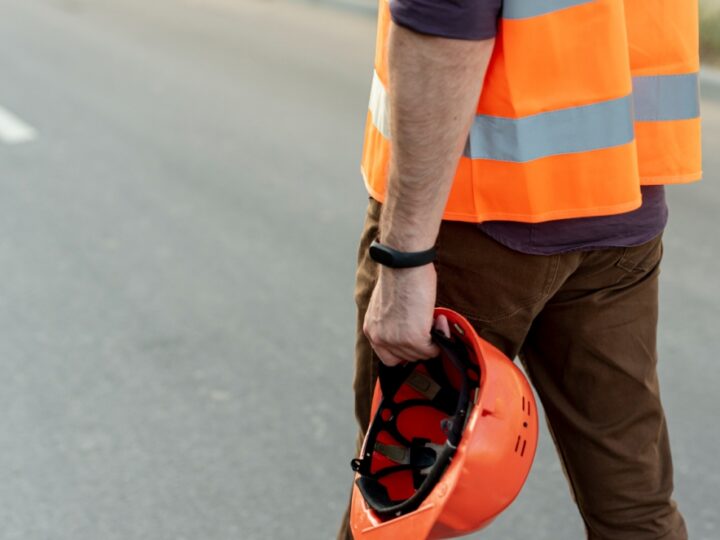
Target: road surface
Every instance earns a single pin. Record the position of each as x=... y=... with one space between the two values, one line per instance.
x=180 y=203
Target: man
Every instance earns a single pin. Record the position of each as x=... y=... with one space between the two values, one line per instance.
x=530 y=145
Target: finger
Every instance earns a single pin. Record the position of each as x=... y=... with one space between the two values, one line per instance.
x=422 y=351
x=389 y=358
x=442 y=324
x=410 y=350
x=404 y=353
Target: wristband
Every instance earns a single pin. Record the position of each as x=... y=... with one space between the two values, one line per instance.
x=393 y=258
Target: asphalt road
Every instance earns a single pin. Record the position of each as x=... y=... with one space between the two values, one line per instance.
x=176 y=268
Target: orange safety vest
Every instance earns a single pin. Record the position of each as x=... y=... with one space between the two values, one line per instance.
x=584 y=101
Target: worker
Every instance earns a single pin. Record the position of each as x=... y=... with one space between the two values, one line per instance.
x=515 y=156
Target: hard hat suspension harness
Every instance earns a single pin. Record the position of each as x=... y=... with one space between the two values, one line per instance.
x=401 y=464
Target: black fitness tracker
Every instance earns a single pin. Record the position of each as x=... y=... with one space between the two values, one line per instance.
x=393 y=258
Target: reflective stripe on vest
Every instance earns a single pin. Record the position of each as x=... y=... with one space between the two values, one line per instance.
x=571 y=129
x=523 y=9
x=576 y=129
x=667 y=97
x=663 y=47
x=659 y=98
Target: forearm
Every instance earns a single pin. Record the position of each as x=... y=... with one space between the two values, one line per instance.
x=434 y=87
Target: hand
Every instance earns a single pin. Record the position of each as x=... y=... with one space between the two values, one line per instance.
x=400 y=315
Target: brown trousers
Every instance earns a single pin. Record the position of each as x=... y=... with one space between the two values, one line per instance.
x=584 y=327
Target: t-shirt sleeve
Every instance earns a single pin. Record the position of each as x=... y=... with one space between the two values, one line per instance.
x=456 y=19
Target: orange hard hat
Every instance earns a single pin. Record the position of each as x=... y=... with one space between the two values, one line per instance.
x=450 y=445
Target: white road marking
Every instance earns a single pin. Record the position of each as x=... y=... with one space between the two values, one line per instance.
x=13 y=130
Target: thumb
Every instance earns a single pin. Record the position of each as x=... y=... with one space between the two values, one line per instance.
x=442 y=324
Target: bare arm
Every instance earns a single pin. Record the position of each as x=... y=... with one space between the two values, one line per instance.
x=434 y=87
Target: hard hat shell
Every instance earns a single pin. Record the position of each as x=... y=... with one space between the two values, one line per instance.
x=491 y=462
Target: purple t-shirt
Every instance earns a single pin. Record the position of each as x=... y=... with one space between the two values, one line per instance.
x=476 y=20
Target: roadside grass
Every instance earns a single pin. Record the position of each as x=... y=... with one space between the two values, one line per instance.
x=710 y=35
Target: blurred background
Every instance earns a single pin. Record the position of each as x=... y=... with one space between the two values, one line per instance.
x=180 y=203
x=710 y=30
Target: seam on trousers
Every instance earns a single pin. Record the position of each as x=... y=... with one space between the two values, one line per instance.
x=552 y=280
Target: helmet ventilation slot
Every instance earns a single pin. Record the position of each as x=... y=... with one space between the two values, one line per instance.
x=529 y=406
x=521 y=442
x=520 y=448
